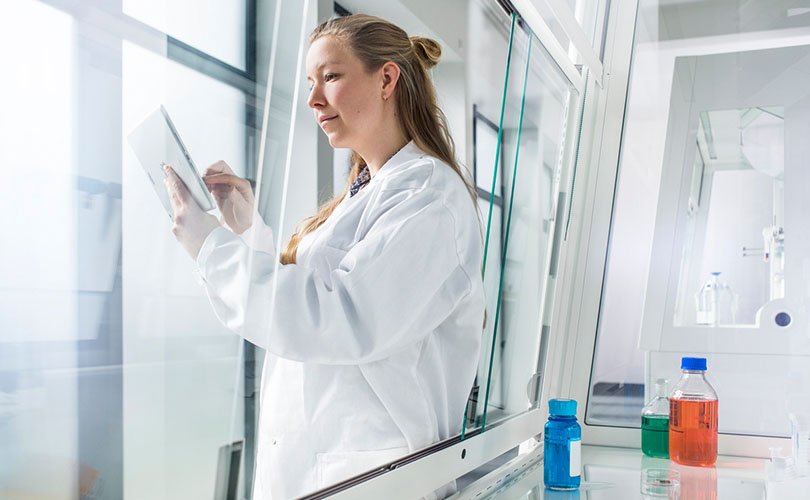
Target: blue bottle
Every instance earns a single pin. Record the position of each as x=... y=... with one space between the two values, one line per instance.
x=562 y=446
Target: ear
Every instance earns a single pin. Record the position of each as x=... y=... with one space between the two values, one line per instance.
x=390 y=76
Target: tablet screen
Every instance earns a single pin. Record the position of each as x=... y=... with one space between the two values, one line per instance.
x=156 y=143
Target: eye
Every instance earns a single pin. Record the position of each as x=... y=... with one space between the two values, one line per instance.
x=329 y=77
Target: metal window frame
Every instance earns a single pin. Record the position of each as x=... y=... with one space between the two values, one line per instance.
x=559 y=9
x=533 y=18
x=583 y=257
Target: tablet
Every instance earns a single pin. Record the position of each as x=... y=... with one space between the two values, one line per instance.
x=156 y=143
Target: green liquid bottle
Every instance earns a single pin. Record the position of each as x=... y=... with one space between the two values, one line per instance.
x=655 y=423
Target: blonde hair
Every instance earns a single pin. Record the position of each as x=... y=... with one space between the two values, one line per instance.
x=376 y=41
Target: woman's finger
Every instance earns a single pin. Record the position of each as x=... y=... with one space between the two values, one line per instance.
x=221 y=194
x=223 y=179
x=218 y=167
x=174 y=200
x=175 y=186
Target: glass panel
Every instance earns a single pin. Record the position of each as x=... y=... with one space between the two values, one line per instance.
x=39 y=407
x=489 y=153
x=216 y=27
x=116 y=378
x=536 y=158
x=707 y=246
x=183 y=366
x=516 y=273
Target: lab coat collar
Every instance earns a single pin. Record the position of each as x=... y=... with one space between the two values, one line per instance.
x=408 y=152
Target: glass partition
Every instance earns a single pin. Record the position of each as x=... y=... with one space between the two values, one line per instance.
x=707 y=217
x=118 y=379
x=181 y=369
x=522 y=195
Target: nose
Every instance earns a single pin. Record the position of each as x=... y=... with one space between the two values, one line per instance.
x=315 y=99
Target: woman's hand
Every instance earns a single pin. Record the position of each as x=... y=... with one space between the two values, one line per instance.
x=191 y=224
x=233 y=195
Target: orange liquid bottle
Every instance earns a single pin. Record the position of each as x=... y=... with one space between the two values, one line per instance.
x=693 y=412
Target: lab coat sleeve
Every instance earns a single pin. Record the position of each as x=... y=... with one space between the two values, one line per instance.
x=259 y=236
x=391 y=289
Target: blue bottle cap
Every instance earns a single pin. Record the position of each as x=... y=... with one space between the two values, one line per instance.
x=562 y=407
x=693 y=364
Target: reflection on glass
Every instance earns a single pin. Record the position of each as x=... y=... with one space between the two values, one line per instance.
x=169 y=331
x=699 y=483
x=116 y=381
x=215 y=27
x=40 y=266
x=40 y=290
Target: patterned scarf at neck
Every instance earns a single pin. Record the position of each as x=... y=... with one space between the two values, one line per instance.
x=362 y=179
x=364 y=176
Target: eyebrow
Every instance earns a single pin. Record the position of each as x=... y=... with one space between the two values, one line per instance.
x=326 y=63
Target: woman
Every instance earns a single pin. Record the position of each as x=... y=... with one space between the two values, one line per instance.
x=372 y=321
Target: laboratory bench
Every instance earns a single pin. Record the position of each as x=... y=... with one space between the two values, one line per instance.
x=610 y=473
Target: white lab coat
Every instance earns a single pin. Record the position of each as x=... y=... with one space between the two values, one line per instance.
x=374 y=340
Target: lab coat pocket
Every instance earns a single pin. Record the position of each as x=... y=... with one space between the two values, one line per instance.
x=339 y=466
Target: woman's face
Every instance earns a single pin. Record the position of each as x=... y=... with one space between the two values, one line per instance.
x=347 y=99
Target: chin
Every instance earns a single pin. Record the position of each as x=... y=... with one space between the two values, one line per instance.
x=336 y=141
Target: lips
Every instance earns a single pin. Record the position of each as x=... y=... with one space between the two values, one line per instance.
x=325 y=118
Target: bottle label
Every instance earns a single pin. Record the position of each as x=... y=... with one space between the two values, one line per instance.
x=575 y=458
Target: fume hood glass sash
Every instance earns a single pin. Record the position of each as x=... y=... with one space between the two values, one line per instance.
x=533 y=120
x=707 y=103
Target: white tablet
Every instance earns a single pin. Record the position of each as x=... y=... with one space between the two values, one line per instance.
x=156 y=143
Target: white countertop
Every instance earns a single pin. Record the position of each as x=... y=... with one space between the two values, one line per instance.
x=615 y=474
